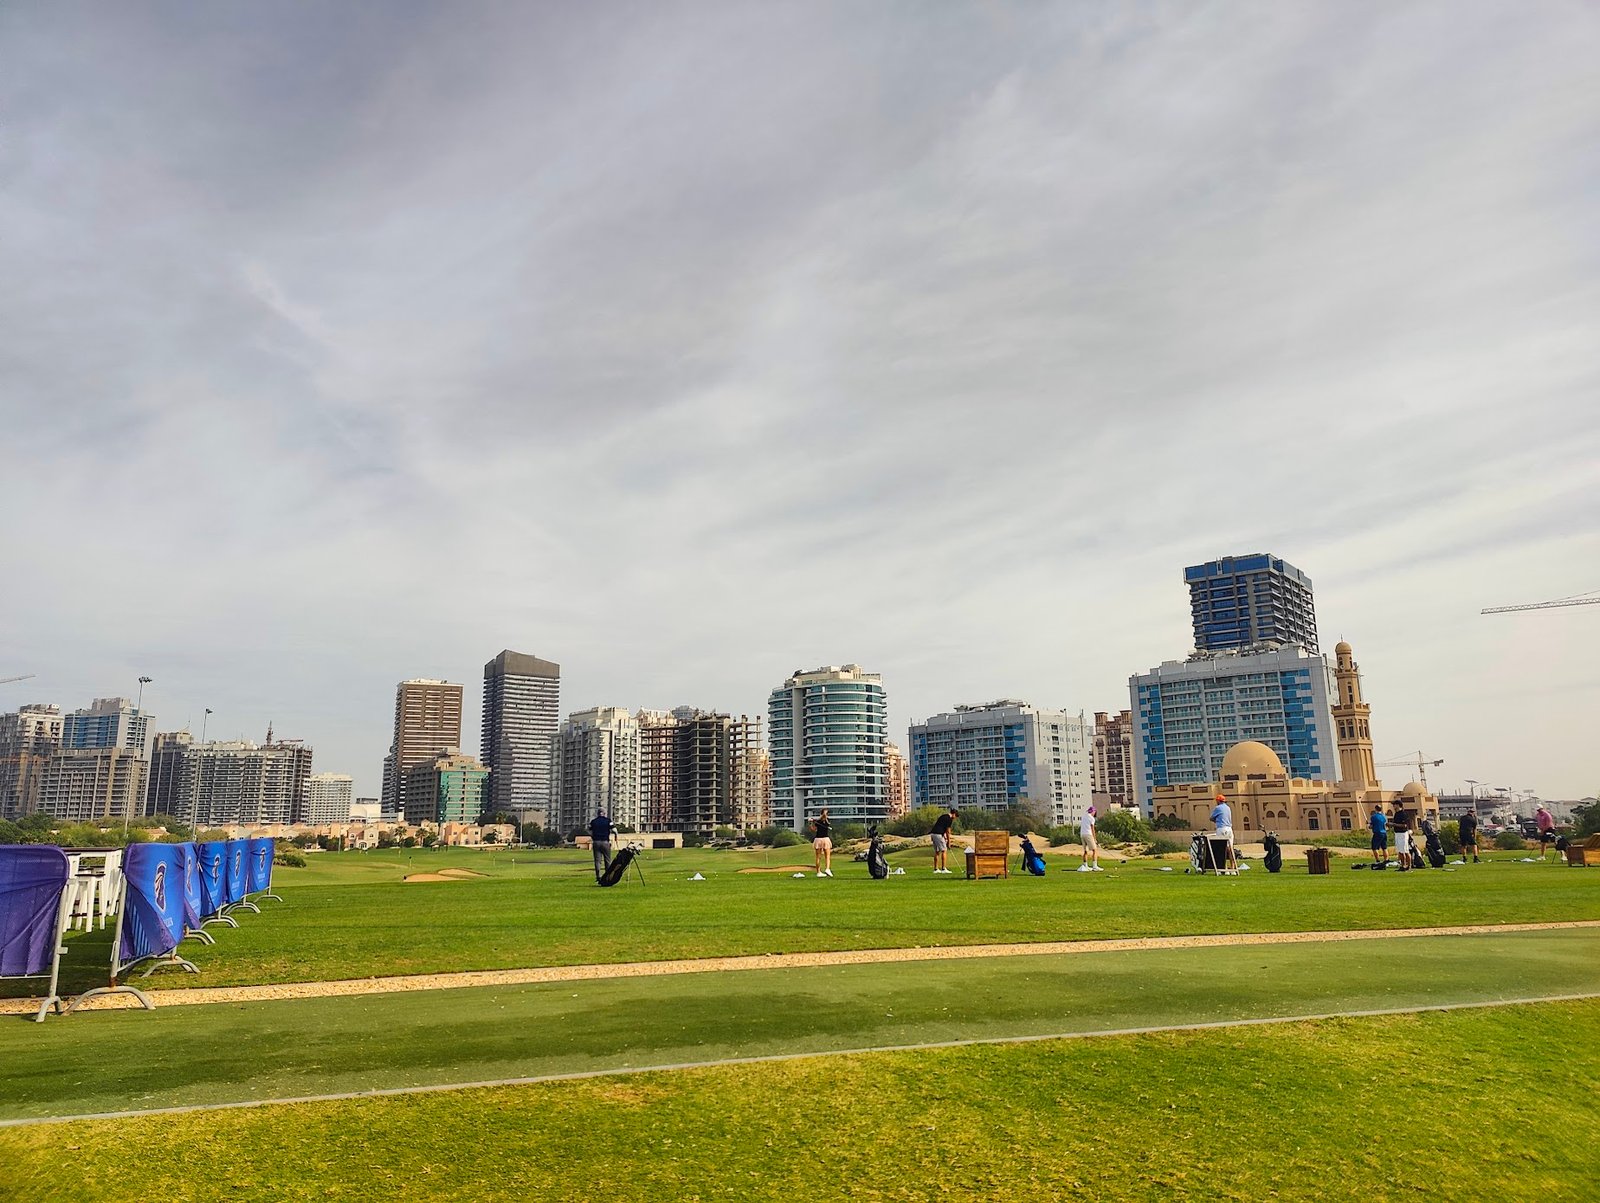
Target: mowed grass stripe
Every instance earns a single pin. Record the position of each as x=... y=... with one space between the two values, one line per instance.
x=1463 y=1106
x=347 y=916
x=211 y=1054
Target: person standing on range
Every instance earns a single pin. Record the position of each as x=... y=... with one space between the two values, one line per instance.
x=1546 y=824
x=1379 y=822
x=822 y=843
x=1402 y=833
x=1091 y=843
x=600 y=843
x=941 y=840
x=1468 y=829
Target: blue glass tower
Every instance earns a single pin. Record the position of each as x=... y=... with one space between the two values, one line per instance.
x=1245 y=601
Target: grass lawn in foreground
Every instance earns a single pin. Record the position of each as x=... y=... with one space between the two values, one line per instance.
x=1479 y=1105
x=349 y=915
x=126 y=1060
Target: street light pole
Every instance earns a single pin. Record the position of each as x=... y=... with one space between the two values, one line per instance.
x=138 y=709
x=194 y=805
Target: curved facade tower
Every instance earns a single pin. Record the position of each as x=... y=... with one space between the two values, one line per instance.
x=828 y=729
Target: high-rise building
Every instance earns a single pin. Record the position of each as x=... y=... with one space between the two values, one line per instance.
x=1188 y=714
x=427 y=720
x=897 y=779
x=27 y=740
x=237 y=783
x=597 y=769
x=1246 y=601
x=999 y=755
x=521 y=711
x=109 y=723
x=164 y=794
x=1352 y=721
x=327 y=799
x=78 y=785
x=98 y=771
x=827 y=731
x=450 y=788
x=1113 y=757
x=700 y=770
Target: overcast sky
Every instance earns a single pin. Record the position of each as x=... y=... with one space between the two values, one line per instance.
x=688 y=345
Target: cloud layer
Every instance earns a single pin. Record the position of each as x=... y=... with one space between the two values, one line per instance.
x=689 y=345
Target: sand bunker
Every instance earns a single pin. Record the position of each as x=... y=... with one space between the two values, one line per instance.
x=445 y=875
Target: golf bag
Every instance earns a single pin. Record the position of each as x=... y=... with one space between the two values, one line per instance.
x=1274 y=858
x=1433 y=845
x=618 y=866
x=1031 y=860
x=877 y=863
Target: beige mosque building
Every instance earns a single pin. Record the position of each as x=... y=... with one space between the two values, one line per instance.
x=1264 y=797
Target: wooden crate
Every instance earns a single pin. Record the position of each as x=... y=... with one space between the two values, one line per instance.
x=992 y=854
x=1586 y=853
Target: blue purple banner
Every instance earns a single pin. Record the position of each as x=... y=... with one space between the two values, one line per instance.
x=259 y=862
x=152 y=915
x=192 y=900
x=32 y=877
x=212 y=861
x=237 y=877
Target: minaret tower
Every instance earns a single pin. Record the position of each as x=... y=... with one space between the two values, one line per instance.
x=1350 y=717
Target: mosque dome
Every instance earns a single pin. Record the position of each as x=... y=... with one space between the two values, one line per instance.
x=1251 y=761
x=1341 y=648
x=1412 y=789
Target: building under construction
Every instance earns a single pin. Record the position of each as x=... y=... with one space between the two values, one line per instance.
x=700 y=770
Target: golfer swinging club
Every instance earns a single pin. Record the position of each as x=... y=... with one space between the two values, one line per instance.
x=1222 y=819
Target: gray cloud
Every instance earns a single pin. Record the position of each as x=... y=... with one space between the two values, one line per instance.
x=687 y=345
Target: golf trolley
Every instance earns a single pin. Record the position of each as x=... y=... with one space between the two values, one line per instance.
x=1212 y=854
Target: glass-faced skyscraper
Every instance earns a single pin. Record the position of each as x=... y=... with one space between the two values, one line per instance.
x=827 y=730
x=521 y=711
x=1242 y=601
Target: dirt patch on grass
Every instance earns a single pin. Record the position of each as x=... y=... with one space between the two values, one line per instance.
x=779 y=960
x=780 y=869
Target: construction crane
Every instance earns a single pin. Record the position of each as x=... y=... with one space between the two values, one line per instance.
x=1415 y=760
x=1577 y=599
x=23 y=677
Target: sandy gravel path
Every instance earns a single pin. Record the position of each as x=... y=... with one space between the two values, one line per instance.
x=786 y=960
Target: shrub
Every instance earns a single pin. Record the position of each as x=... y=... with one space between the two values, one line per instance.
x=916 y=822
x=1588 y=818
x=1510 y=840
x=1450 y=837
x=1122 y=827
x=1161 y=847
x=292 y=859
x=1169 y=823
x=1343 y=839
x=1059 y=836
x=845 y=832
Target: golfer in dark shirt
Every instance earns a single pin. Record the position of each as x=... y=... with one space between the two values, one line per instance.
x=1402 y=836
x=600 y=843
x=1468 y=829
x=941 y=840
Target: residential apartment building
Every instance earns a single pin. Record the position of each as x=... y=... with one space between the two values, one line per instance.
x=79 y=785
x=450 y=788
x=597 y=769
x=1113 y=757
x=328 y=798
x=108 y=723
x=827 y=732
x=1188 y=713
x=1246 y=601
x=165 y=791
x=897 y=780
x=237 y=783
x=1002 y=754
x=521 y=712
x=427 y=720
x=27 y=740
x=700 y=770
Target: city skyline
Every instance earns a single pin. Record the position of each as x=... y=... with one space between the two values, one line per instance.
x=722 y=342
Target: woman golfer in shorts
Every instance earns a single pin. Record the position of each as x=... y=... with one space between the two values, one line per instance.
x=822 y=843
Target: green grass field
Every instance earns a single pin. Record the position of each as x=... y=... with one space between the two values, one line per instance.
x=350 y=915
x=1290 y=1110
x=1480 y=1105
